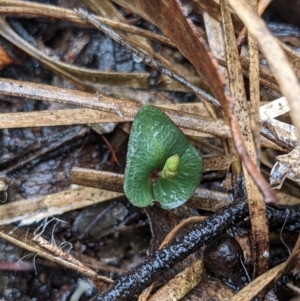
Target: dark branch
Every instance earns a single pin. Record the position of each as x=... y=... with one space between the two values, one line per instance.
x=135 y=281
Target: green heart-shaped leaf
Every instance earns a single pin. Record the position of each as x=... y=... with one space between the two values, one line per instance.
x=161 y=164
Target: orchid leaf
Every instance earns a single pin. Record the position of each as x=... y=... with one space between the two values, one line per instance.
x=161 y=164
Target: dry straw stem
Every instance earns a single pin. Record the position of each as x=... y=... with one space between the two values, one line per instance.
x=202 y=198
x=257 y=208
x=105 y=8
x=25 y=241
x=215 y=39
x=209 y=200
x=54 y=250
x=57 y=117
x=37 y=208
x=274 y=108
x=295 y=289
x=108 y=104
x=254 y=88
x=97 y=178
x=277 y=60
x=90 y=116
x=82 y=116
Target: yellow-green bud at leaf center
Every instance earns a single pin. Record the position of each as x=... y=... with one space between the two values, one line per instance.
x=170 y=169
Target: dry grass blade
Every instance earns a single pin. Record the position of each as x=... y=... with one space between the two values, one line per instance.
x=209 y=200
x=260 y=232
x=25 y=240
x=277 y=60
x=81 y=116
x=90 y=116
x=98 y=179
x=105 y=9
x=218 y=162
x=215 y=39
x=254 y=89
x=57 y=117
x=108 y=104
x=29 y=210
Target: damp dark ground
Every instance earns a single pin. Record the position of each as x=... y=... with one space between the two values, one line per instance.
x=37 y=161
